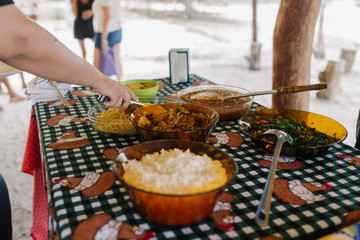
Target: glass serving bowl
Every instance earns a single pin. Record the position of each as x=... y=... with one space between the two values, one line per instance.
x=321 y=123
x=171 y=209
x=229 y=109
x=199 y=134
x=110 y=126
x=120 y=126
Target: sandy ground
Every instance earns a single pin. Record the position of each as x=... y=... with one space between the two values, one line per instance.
x=218 y=38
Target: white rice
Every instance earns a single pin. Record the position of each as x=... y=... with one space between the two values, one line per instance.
x=175 y=172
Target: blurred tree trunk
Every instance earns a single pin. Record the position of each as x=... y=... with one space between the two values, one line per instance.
x=292 y=49
x=254 y=58
x=148 y=11
x=254 y=21
x=319 y=50
x=188 y=8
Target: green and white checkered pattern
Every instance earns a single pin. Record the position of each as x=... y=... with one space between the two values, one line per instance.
x=287 y=221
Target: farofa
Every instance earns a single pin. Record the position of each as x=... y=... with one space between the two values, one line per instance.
x=175 y=172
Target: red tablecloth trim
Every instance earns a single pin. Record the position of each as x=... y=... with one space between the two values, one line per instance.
x=32 y=157
x=32 y=165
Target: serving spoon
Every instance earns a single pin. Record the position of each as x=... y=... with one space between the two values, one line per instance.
x=118 y=169
x=280 y=90
x=265 y=201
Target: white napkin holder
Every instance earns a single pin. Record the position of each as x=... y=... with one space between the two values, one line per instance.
x=179 y=65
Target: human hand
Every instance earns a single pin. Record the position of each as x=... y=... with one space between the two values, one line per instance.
x=104 y=44
x=87 y=14
x=119 y=95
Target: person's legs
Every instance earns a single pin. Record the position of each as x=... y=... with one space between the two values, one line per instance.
x=82 y=46
x=114 y=40
x=97 y=51
x=97 y=58
x=5 y=211
x=116 y=49
x=14 y=97
x=23 y=80
x=1 y=91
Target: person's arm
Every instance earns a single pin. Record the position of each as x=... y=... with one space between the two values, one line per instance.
x=74 y=8
x=87 y=14
x=104 y=33
x=27 y=46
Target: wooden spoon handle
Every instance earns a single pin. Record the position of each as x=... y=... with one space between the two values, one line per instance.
x=303 y=88
x=65 y=102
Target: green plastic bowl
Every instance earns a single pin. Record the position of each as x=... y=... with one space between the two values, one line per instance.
x=138 y=87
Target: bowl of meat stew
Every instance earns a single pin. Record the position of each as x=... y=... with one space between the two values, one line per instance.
x=174 y=121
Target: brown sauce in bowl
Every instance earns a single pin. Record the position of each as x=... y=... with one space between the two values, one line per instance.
x=215 y=101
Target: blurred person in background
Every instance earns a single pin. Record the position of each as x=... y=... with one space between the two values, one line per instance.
x=83 y=26
x=14 y=97
x=108 y=32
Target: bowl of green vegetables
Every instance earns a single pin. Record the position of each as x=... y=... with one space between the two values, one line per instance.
x=310 y=133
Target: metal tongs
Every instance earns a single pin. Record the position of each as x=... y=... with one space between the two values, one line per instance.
x=265 y=202
x=132 y=107
x=103 y=98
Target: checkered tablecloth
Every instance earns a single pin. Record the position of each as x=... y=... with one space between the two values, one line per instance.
x=287 y=221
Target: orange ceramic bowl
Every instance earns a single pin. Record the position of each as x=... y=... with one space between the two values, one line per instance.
x=169 y=209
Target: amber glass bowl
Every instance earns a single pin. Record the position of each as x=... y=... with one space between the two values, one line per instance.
x=228 y=110
x=170 y=209
x=199 y=134
x=322 y=124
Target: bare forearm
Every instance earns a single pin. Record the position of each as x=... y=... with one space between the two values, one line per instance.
x=105 y=32
x=27 y=46
x=74 y=8
x=42 y=54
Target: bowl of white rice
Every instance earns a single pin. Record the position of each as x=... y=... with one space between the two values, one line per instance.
x=174 y=182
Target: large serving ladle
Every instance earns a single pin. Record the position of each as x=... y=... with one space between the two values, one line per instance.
x=280 y=90
x=271 y=136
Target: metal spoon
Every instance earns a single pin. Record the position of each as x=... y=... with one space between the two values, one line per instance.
x=118 y=169
x=280 y=90
x=265 y=202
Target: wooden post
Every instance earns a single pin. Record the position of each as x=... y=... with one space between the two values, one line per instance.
x=292 y=49
x=331 y=76
x=188 y=8
x=254 y=58
x=319 y=49
x=254 y=21
x=148 y=11
x=348 y=55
